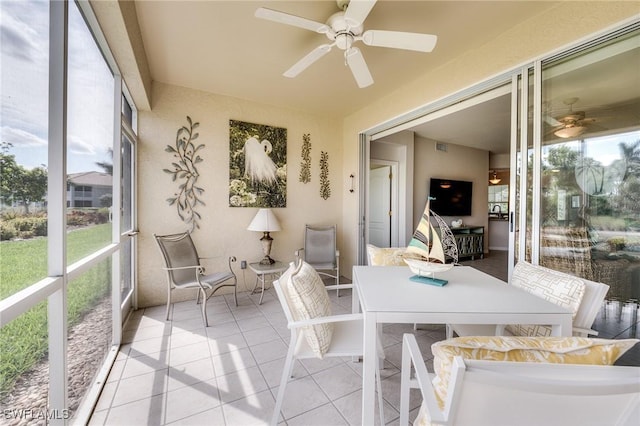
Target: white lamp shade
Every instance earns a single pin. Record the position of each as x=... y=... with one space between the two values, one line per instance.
x=264 y=221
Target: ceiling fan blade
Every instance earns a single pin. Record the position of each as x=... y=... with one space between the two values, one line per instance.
x=400 y=40
x=309 y=59
x=357 y=11
x=552 y=121
x=359 y=68
x=288 y=19
x=596 y=128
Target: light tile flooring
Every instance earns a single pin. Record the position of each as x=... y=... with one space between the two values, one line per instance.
x=179 y=372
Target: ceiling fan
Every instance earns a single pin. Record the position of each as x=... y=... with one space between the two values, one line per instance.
x=343 y=29
x=571 y=125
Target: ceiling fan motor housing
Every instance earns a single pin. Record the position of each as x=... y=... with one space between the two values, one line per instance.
x=342 y=33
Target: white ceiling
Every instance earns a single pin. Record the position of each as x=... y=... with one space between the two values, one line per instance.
x=221 y=47
x=485 y=125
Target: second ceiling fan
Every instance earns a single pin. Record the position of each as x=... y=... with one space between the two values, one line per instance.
x=571 y=124
x=343 y=29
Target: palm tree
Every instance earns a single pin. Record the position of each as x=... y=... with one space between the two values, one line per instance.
x=631 y=156
x=107 y=167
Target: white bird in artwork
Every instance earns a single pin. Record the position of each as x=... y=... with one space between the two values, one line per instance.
x=258 y=166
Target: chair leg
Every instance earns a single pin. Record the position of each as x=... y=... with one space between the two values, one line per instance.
x=168 y=302
x=337 y=284
x=235 y=293
x=286 y=374
x=204 y=307
x=338 y=272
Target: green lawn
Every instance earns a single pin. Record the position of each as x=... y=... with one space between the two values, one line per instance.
x=23 y=342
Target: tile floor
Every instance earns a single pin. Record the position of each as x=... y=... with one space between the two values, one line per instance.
x=179 y=372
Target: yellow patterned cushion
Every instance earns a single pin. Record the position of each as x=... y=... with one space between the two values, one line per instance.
x=561 y=350
x=309 y=299
x=388 y=256
x=556 y=287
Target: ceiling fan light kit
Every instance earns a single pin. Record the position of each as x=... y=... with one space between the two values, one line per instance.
x=572 y=124
x=343 y=29
x=570 y=132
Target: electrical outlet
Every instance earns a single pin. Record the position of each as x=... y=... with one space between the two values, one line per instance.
x=243 y=264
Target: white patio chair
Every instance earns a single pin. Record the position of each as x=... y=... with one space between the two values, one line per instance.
x=346 y=338
x=484 y=392
x=385 y=256
x=184 y=270
x=594 y=294
x=320 y=251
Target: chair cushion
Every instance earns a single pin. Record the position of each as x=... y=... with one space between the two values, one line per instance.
x=309 y=299
x=556 y=287
x=388 y=256
x=559 y=350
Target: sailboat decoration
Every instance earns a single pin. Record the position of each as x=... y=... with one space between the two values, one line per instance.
x=427 y=251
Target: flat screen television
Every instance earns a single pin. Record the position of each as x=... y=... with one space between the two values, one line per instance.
x=450 y=197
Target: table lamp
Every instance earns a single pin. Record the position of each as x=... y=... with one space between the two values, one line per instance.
x=265 y=221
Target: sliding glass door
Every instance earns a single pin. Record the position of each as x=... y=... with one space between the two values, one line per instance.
x=589 y=177
x=574 y=188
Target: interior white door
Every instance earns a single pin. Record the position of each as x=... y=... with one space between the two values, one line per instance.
x=380 y=206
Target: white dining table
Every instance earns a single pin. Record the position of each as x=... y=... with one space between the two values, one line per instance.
x=385 y=294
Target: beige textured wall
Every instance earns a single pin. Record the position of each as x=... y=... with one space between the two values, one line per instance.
x=223 y=228
x=541 y=35
x=458 y=163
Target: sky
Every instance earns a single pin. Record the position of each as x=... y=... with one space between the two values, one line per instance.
x=24 y=64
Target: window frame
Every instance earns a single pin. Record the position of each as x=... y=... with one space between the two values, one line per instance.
x=53 y=287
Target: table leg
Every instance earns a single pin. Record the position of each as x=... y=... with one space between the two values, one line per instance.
x=355 y=309
x=262 y=294
x=370 y=361
x=259 y=279
x=255 y=286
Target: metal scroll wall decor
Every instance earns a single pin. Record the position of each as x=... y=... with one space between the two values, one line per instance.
x=305 y=165
x=257 y=165
x=325 y=188
x=184 y=171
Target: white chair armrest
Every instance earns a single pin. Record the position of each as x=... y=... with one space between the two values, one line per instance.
x=341 y=286
x=411 y=355
x=584 y=331
x=182 y=267
x=323 y=320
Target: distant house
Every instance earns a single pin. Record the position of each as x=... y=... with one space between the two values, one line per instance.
x=87 y=188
